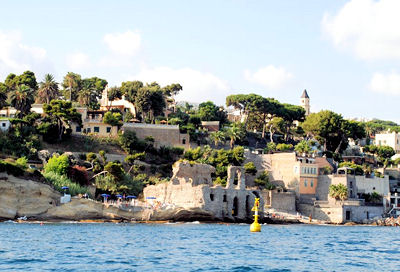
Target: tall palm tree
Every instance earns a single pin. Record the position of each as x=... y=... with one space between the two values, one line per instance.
x=234 y=133
x=48 y=89
x=217 y=137
x=22 y=99
x=72 y=81
x=86 y=95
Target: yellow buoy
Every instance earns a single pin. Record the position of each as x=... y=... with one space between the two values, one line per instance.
x=255 y=227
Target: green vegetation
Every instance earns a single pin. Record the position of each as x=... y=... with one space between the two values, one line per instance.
x=250 y=168
x=332 y=131
x=358 y=169
x=338 y=192
x=263 y=181
x=57 y=164
x=303 y=147
x=113 y=118
x=220 y=159
x=11 y=168
x=284 y=147
x=58 y=181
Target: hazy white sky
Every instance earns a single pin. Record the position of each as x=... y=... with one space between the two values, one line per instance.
x=345 y=53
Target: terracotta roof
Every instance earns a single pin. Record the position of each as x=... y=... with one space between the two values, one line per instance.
x=305 y=94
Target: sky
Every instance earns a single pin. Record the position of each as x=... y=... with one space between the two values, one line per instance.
x=345 y=53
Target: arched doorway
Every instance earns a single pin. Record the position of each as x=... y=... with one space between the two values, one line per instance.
x=235 y=206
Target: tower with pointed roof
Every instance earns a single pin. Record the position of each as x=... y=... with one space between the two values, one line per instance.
x=305 y=102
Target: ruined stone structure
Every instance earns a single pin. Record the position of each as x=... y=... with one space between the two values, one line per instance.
x=164 y=135
x=191 y=187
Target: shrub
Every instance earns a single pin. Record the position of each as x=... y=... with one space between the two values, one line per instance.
x=11 y=168
x=263 y=181
x=284 y=147
x=59 y=181
x=57 y=164
x=115 y=169
x=78 y=174
x=270 y=147
x=220 y=181
x=113 y=119
x=358 y=169
x=23 y=162
x=250 y=168
x=378 y=174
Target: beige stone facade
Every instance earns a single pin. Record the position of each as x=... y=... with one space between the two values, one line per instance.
x=164 y=135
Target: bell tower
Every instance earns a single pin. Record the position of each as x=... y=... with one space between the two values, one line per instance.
x=305 y=102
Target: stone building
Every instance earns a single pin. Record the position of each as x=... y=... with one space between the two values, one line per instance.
x=191 y=186
x=305 y=102
x=92 y=122
x=163 y=135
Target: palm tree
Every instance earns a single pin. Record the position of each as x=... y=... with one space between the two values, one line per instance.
x=48 y=89
x=71 y=80
x=338 y=191
x=22 y=99
x=234 y=133
x=217 y=137
x=85 y=96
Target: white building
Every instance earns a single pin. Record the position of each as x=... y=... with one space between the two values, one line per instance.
x=391 y=139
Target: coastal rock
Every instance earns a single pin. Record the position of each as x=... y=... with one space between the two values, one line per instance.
x=196 y=174
x=21 y=197
x=82 y=209
x=181 y=214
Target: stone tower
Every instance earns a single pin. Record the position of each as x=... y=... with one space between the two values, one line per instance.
x=305 y=102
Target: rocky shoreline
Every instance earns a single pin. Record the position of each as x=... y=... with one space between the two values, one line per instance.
x=38 y=202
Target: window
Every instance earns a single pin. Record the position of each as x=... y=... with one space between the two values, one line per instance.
x=78 y=129
x=183 y=141
x=305 y=183
x=108 y=129
x=212 y=197
x=311 y=183
x=224 y=198
x=3 y=124
x=96 y=129
x=88 y=130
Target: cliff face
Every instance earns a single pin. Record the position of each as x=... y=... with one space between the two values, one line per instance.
x=35 y=200
x=21 y=197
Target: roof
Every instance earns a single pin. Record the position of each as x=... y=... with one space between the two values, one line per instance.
x=305 y=94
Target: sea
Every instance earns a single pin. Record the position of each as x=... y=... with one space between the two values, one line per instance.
x=196 y=247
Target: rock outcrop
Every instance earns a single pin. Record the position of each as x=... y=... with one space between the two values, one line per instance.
x=21 y=197
x=83 y=209
x=196 y=174
x=181 y=214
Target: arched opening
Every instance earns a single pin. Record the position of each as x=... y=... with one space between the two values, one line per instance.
x=235 y=180
x=235 y=207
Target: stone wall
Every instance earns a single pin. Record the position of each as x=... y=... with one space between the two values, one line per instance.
x=279 y=201
x=279 y=165
x=369 y=185
x=337 y=213
x=164 y=135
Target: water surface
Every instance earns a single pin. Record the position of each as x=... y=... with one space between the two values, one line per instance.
x=197 y=247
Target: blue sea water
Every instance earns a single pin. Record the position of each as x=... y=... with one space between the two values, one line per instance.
x=197 y=247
